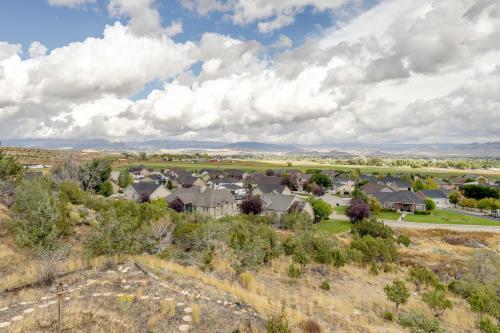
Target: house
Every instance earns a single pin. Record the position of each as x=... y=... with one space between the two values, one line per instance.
x=396 y=184
x=236 y=174
x=371 y=188
x=186 y=180
x=140 y=170
x=342 y=188
x=277 y=204
x=271 y=188
x=214 y=183
x=344 y=179
x=439 y=197
x=155 y=178
x=212 y=173
x=236 y=190
x=145 y=191
x=207 y=201
x=400 y=200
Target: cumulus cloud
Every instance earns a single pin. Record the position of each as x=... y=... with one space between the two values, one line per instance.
x=37 y=50
x=422 y=71
x=69 y=3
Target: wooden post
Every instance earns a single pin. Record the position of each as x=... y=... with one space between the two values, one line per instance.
x=59 y=293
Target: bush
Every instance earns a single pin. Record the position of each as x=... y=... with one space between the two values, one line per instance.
x=106 y=189
x=358 y=210
x=310 y=326
x=75 y=194
x=421 y=276
x=479 y=192
x=246 y=280
x=36 y=214
x=251 y=205
x=422 y=212
x=403 y=239
x=373 y=269
x=279 y=323
x=322 y=210
x=376 y=249
x=429 y=204
x=372 y=228
x=294 y=271
x=485 y=325
x=295 y=221
x=419 y=322
x=388 y=210
x=325 y=285
x=388 y=315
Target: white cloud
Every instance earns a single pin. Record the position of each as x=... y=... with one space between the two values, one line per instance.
x=144 y=18
x=417 y=71
x=69 y=3
x=37 y=50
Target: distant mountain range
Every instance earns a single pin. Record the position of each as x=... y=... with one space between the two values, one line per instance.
x=491 y=149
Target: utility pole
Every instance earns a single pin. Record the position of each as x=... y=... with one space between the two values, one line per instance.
x=59 y=293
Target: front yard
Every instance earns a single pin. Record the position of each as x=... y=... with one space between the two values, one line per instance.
x=333 y=226
x=449 y=217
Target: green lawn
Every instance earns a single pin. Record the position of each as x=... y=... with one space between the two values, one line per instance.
x=450 y=217
x=340 y=209
x=333 y=226
x=387 y=216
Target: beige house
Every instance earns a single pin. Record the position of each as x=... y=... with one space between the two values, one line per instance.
x=145 y=191
x=278 y=204
x=211 y=202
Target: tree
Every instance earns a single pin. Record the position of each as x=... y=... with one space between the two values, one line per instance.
x=417 y=185
x=321 y=179
x=436 y=300
x=371 y=227
x=481 y=301
x=316 y=189
x=429 y=204
x=359 y=194
x=358 y=210
x=301 y=257
x=36 y=214
x=269 y=172
x=356 y=173
x=487 y=204
x=94 y=173
x=251 y=205
x=170 y=186
x=124 y=179
x=430 y=184
x=454 y=197
x=322 y=209
x=375 y=205
x=9 y=168
x=397 y=293
x=106 y=189
x=479 y=192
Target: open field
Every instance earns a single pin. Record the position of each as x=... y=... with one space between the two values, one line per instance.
x=448 y=217
x=333 y=226
x=262 y=165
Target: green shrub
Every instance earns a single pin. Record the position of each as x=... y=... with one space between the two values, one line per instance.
x=403 y=239
x=325 y=285
x=373 y=269
x=294 y=271
x=296 y=221
x=279 y=323
x=246 y=280
x=421 y=276
x=419 y=322
x=388 y=268
x=388 y=315
x=436 y=300
x=75 y=194
x=486 y=325
x=422 y=212
x=372 y=228
x=376 y=249
x=106 y=189
x=388 y=210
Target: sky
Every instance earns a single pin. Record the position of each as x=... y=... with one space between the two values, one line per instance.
x=288 y=71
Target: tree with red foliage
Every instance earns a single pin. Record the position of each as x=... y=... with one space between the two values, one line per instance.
x=251 y=205
x=177 y=205
x=317 y=190
x=358 y=210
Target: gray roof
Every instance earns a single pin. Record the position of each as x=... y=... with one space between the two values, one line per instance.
x=372 y=188
x=145 y=187
x=232 y=187
x=406 y=197
x=278 y=202
x=201 y=197
x=270 y=188
x=435 y=194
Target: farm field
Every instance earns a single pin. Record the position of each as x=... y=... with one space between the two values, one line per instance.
x=449 y=217
x=262 y=165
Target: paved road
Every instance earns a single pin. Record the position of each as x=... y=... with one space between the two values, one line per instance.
x=416 y=225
